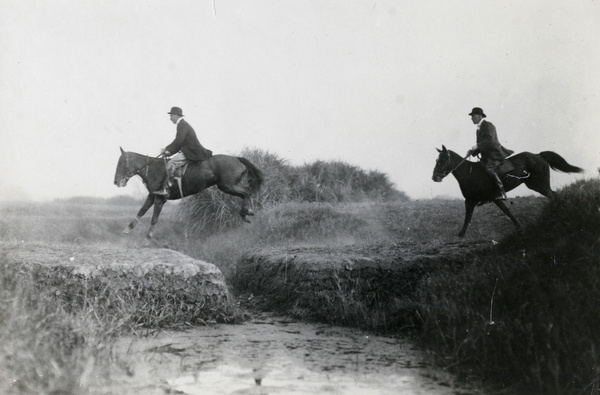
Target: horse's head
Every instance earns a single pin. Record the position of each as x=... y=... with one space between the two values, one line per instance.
x=124 y=172
x=443 y=165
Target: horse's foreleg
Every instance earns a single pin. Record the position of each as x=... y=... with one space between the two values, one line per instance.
x=158 y=205
x=469 y=208
x=147 y=204
x=506 y=211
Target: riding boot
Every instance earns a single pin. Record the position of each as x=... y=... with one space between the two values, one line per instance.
x=166 y=187
x=501 y=194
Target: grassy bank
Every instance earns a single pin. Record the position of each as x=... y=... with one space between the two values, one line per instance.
x=527 y=312
x=43 y=348
x=56 y=329
x=370 y=287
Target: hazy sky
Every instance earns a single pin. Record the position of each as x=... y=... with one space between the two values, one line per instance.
x=377 y=84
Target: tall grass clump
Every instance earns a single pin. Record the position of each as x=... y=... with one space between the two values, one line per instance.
x=43 y=348
x=335 y=181
x=278 y=175
x=527 y=312
x=321 y=181
x=212 y=210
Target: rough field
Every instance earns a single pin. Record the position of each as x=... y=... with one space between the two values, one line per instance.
x=331 y=263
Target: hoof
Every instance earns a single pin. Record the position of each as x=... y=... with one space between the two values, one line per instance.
x=246 y=219
x=246 y=211
x=126 y=231
x=150 y=242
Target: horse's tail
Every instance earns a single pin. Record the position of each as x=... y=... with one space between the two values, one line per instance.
x=558 y=163
x=256 y=176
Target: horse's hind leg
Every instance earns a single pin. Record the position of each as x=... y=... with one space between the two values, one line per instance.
x=147 y=204
x=506 y=211
x=541 y=185
x=241 y=192
x=539 y=181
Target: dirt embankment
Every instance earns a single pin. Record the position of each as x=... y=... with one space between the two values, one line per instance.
x=366 y=286
x=154 y=287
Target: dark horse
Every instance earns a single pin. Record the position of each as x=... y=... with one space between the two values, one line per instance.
x=477 y=188
x=232 y=175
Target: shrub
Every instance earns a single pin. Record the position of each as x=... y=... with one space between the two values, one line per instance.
x=278 y=175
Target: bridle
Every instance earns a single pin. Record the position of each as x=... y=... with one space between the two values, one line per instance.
x=136 y=171
x=446 y=172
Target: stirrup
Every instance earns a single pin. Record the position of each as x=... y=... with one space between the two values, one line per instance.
x=162 y=192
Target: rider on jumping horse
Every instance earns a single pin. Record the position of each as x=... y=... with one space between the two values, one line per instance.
x=184 y=149
x=492 y=152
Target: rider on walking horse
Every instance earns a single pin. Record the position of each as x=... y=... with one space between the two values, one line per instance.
x=186 y=148
x=492 y=152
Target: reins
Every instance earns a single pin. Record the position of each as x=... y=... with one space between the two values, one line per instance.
x=135 y=172
x=457 y=166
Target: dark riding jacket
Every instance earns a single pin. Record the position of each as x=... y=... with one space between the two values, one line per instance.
x=492 y=152
x=187 y=142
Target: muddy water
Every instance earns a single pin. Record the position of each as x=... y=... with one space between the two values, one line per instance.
x=274 y=355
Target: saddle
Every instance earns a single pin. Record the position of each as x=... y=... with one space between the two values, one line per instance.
x=508 y=169
x=180 y=171
x=178 y=174
x=505 y=167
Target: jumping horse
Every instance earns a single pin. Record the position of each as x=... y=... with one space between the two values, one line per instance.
x=531 y=169
x=232 y=175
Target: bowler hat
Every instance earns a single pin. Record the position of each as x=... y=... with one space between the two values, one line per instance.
x=176 y=111
x=477 y=111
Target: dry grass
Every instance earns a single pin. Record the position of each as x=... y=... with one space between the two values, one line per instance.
x=43 y=348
